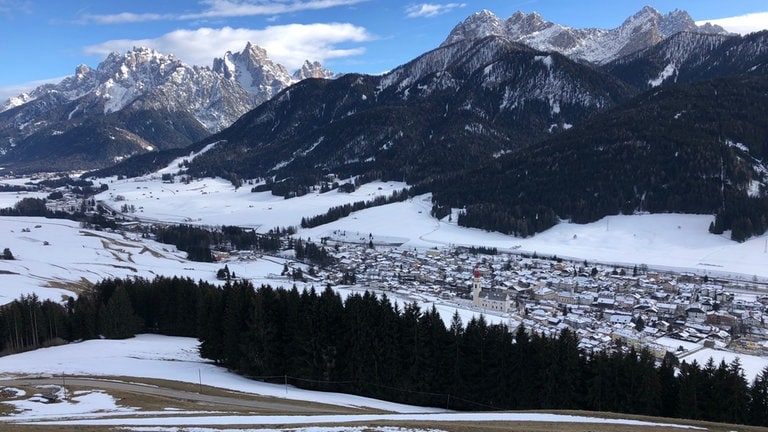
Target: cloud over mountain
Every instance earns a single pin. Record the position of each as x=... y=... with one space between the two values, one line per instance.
x=287 y=44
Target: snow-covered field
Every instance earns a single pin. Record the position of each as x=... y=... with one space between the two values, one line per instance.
x=55 y=257
x=663 y=241
x=175 y=358
x=169 y=358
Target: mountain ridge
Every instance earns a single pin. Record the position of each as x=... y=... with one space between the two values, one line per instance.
x=139 y=84
x=642 y=30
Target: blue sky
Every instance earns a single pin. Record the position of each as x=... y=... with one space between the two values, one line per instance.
x=44 y=40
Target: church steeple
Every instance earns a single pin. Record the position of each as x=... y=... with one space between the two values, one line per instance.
x=476 y=285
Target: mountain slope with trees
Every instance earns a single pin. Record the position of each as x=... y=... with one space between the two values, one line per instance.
x=451 y=109
x=694 y=148
x=688 y=57
x=520 y=138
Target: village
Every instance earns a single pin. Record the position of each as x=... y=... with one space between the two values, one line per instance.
x=607 y=306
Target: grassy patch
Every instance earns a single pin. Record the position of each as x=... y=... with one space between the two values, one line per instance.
x=75 y=286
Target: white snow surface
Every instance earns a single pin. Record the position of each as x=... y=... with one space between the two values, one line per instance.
x=668 y=71
x=176 y=358
x=326 y=419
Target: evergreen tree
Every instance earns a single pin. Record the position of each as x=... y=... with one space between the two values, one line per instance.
x=758 y=399
x=118 y=321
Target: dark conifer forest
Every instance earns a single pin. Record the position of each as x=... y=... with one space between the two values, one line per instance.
x=680 y=149
x=367 y=345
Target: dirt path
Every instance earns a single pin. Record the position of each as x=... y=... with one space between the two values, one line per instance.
x=249 y=402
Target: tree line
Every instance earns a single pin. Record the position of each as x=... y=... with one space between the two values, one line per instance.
x=36 y=207
x=197 y=241
x=368 y=345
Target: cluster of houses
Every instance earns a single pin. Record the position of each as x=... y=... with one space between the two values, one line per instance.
x=606 y=306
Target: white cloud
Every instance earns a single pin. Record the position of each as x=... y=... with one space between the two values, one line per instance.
x=123 y=18
x=288 y=44
x=222 y=9
x=10 y=91
x=430 y=9
x=742 y=24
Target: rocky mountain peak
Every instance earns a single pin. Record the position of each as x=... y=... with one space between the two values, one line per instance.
x=83 y=70
x=253 y=70
x=645 y=28
x=138 y=59
x=476 y=26
x=649 y=18
x=255 y=54
x=312 y=70
x=522 y=23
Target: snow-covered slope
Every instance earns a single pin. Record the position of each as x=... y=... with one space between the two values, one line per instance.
x=175 y=358
x=645 y=28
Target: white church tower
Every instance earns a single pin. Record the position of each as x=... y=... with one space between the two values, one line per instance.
x=476 y=286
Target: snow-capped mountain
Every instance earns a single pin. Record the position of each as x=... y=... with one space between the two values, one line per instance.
x=517 y=136
x=254 y=72
x=312 y=70
x=142 y=100
x=599 y=46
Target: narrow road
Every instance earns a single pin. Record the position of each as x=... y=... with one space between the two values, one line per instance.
x=274 y=405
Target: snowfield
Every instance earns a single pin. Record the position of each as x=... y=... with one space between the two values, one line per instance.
x=175 y=358
x=168 y=358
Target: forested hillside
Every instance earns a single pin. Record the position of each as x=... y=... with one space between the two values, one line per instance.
x=684 y=148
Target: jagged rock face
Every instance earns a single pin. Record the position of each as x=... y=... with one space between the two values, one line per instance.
x=254 y=71
x=145 y=79
x=642 y=30
x=312 y=70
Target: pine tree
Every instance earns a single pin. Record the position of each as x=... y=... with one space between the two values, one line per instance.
x=118 y=321
x=758 y=401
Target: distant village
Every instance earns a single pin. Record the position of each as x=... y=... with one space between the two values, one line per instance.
x=607 y=306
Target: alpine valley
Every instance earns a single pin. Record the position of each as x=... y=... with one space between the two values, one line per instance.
x=520 y=122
